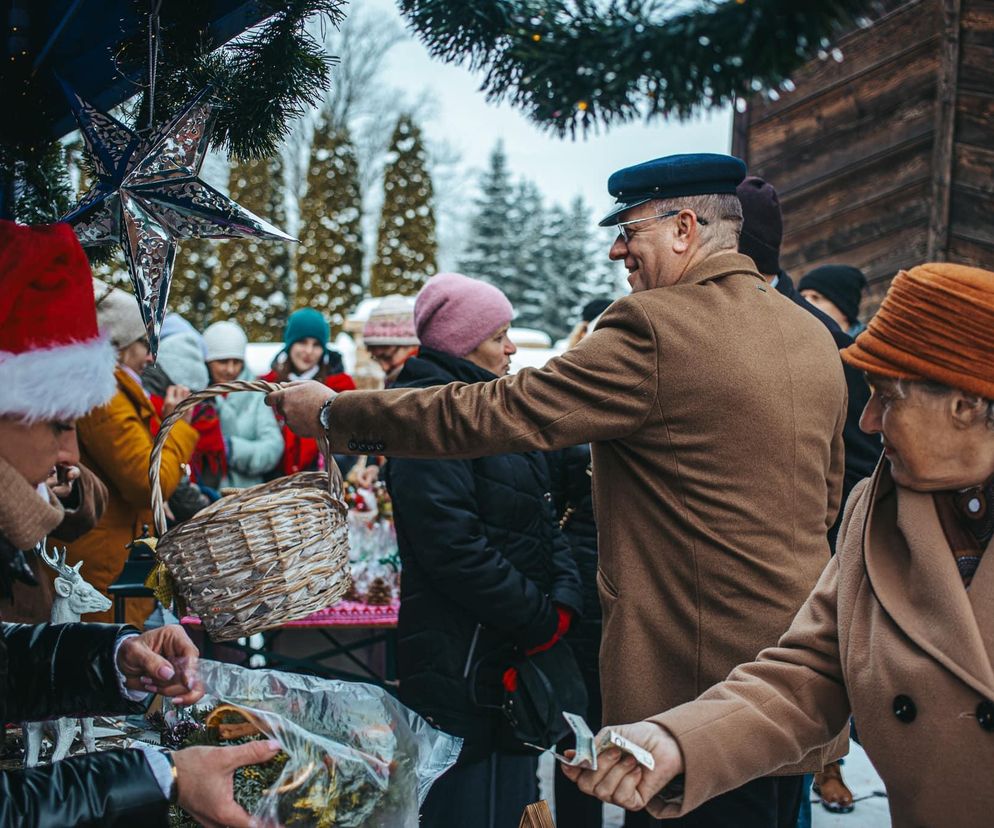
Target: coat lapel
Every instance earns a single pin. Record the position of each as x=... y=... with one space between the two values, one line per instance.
x=981 y=597
x=914 y=577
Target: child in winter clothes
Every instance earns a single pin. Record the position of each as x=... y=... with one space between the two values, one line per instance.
x=252 y=437
x=306 y=356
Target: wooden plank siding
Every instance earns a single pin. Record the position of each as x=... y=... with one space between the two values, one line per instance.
x=971 y=214
x=885 y=158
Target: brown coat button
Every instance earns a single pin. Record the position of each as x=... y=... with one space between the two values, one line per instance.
x=985 y=715
x=904 y=709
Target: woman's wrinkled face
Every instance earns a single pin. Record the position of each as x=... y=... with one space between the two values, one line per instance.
x=494 y=353
x=305 y=354
x=933 y=441
x=225 y=370
x=35 y=449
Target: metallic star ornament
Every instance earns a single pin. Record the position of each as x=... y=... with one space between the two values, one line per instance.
x=148 y=195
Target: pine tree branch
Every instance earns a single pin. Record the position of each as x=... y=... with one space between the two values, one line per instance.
x=578 y=64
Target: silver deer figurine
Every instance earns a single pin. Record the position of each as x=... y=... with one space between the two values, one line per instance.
x=73 y=598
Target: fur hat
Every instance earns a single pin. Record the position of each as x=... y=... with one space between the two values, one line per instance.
x=53 y=362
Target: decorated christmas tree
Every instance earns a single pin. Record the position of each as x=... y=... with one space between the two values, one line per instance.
x=329 y=257
x=405 y=247
x=253 y=285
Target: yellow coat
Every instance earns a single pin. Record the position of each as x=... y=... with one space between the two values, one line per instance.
x=115 y=442
x=890 y=634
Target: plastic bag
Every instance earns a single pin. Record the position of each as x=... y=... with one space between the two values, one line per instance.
x=357 y=756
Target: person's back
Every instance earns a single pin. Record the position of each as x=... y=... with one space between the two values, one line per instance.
x=729 y=548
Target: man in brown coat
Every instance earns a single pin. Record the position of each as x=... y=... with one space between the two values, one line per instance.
x=715 y=408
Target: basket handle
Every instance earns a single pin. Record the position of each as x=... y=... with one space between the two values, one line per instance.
x=335 y=481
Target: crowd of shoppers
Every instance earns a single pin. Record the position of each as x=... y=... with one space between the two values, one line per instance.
x=662 y=501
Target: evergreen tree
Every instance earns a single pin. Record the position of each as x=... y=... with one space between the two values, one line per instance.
x=191 y=292
x=329 y=259
x=254 y=283
x=489 y=253
x=527 y=281
x=406 y=247
x=584 y=270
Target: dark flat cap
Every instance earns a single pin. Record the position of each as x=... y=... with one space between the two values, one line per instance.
x=672 y=176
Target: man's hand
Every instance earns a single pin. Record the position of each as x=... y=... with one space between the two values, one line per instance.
x=161 y=661
x=203 y=776
x=299 y=404
x=619 y=779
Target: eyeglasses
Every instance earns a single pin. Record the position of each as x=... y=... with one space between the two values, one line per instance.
x=621 y=225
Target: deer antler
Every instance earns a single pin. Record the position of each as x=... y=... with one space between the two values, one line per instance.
x=57 y=561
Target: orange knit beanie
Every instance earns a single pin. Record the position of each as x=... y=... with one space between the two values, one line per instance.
x=936 y=323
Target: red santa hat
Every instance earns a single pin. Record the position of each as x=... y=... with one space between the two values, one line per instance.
x=54 y=364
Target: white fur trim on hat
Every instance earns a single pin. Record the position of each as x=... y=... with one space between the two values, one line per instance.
x=57 y=383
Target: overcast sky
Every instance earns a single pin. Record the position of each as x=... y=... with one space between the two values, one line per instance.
x=561 y=168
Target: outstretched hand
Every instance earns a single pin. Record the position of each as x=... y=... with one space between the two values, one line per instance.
x=164 y=661
x=619 y=779
x=204 y=780
x=299 y=404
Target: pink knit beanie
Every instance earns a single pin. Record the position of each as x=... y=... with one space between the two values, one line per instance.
x=391 y=322
x=454 y=313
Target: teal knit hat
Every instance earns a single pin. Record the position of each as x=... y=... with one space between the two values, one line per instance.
x=304 y=323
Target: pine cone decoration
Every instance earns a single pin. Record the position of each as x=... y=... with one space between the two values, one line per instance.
x=380 y=593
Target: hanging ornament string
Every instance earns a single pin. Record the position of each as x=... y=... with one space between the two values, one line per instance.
x=153 y=57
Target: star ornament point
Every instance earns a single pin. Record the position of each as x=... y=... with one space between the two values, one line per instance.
x=148 y=196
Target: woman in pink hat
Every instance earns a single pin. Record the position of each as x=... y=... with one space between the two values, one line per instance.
x=486 y=571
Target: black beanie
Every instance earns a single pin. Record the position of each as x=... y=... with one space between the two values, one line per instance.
x=842 y=285
x=593 y=309
x=762 y=224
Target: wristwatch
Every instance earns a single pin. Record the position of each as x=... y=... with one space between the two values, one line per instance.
x=324 y=415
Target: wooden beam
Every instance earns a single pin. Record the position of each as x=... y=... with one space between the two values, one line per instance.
x=945 y=131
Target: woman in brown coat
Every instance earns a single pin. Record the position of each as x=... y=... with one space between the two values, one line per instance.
x=899 y=630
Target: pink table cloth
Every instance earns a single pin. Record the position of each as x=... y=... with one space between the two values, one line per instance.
x=342 y=614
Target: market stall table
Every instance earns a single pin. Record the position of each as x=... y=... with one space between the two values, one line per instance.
x=344 y=617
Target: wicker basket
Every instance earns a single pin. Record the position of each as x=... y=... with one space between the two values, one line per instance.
x=261 y=557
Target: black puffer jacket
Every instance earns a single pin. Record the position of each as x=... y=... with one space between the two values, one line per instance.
x=67 y=669
x=573 y=496
x=484 y=563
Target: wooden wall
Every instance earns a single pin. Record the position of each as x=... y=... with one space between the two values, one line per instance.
x=971 y=214
x=886 y=158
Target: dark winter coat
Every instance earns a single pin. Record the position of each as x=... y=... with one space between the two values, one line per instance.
x=574 y=499
x=60 y=670
x=862 y=449
x=484 y=563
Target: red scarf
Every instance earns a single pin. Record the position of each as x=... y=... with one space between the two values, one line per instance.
x=209 y=453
